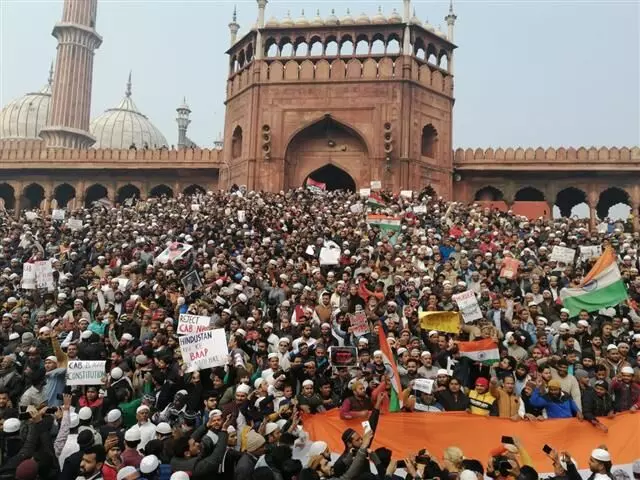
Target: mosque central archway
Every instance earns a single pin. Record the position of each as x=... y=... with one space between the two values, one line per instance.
x=327 y=151
x=334 y=178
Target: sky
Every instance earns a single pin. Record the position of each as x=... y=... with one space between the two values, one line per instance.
x=528 y=72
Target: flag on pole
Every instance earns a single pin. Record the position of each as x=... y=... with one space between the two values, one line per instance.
x=484 y=351
x=395 y=404
x=388 y=225
x=314 y=186
x=602 y=287
x=375 y=200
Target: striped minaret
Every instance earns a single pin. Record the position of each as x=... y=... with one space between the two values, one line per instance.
x=68 y=124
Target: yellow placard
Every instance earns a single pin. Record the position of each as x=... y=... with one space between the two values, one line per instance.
x=440 y=321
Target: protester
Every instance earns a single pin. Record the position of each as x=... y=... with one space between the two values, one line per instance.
x=323 y=307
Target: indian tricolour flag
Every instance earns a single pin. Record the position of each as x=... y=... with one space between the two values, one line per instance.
x=390 y=226
x=602 y=287
x=395 y=404
x=375 y=200
x=485 y=351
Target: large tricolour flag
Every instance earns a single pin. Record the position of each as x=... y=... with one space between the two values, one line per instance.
x=395 y=404
x=602 y=287
x=484 y=351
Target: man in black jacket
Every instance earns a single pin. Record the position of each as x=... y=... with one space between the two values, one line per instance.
x=597 y=402
x=71 y=465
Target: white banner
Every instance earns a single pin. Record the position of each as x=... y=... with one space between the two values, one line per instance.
x=376 y=185
x=423 y=385
x=468 y=306
x=406 y=194
x=563 y=254
x=365 y=192
x=58 y=214
x=85 y=372
x=330 y=254
x=587 y=253
x=74 y=224
x=205 y=350
x=420 y=209
x=356 y=208
x=188 y=324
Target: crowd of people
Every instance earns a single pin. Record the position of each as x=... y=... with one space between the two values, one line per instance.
x=250 y=261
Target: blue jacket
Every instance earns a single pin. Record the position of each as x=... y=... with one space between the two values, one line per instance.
x=564 y=407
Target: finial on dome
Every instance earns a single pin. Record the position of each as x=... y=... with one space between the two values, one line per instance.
x=50 y=80
x=235 y=13
x=128 y=90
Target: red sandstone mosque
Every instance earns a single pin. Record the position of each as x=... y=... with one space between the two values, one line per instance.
x=343 y=100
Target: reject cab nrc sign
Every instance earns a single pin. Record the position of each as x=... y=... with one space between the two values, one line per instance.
x=188 y=324
x=205 y=349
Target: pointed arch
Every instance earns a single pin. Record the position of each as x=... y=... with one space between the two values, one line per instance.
x=95 y=193
x=8 y=196
x=236 y=143
x=611 y=204
x=335 y=178
x=161 y=191
x=571 y=202
x=194 y=189
x=63 y=194
x=127 y=192
x=33 y=194
x=489 y=194
x=529 y=194
x=429 y=141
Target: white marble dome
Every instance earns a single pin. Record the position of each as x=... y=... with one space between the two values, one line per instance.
x=26 y=116
x=395 y=17
x=332 y=19
x=347 y=19
x=124 y=126
x=302 y=21
x=317 y=21
x=379 y=18
x=287 y=21
x=363 y=19
x=272 y=22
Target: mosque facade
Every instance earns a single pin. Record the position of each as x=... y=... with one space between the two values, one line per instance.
x=342 y=100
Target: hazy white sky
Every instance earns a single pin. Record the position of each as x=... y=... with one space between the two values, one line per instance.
x=528 y=72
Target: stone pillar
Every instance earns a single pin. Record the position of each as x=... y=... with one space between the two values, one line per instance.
x=592 y=198
x=635 y=208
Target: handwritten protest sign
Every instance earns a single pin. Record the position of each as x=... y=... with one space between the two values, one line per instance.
x=58 y=214
x=188 y=324
x=420 y=209
x=509 y=268
x=406 y=194
x=359 y=324
x=563 y=254
x=468 y=305
x=205 y=350
x=85 y=372
x=29 y=276
x=589 y=252
x=423 y=385
x=376 y=185
x=343 y=356
x=365 y=192
x=74 y=224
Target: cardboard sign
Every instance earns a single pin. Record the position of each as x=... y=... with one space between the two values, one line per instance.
x=356 y=208
x=330 y=254
x=205 y=350
x=74 y=224
x=85 y=372
x=29 y=276
x=188 y=324
x=359 y=324
x=44 y=274
x=423 y=384
x=376 y=185
x=421 y=209
x=468 y=306
x=58 y=215
x=509 y=268
x=242 y=216
x=406 y=194
x=587 y=253
x=563 y=254
x=343 y=356
x=365 y=192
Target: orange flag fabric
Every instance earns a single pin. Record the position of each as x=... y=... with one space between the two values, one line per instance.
x=406 y=433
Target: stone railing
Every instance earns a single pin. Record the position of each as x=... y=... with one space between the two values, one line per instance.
x=31 y=154
x=539 y=156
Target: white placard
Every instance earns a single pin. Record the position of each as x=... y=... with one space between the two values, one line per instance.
x=563 y=254
x=205 y=350
x=330 y=254
x=356 y=208
x=188 y=324
x=30 y=215
x=310 y=250
x=406 y=194
x=376 y=185
x=195 y=207
x=423 y=385
x=420 y=209
x=44 y=274
x=468 y=306
x=122 y=284
x=58 y=214
x=85 y=372
x=365 y=192
x=74 y=224
x=587 y=253
x=242 y=216
x=29 y=276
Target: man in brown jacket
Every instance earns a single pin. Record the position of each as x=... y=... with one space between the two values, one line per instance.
x=506 y=397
